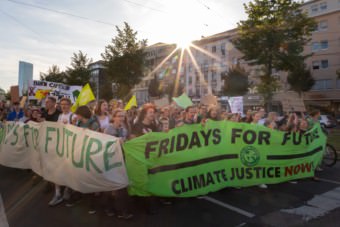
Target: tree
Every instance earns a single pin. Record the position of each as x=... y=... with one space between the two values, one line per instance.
x=54 y=75
x=154 y=88
x=78 y=73
x=172 y=91
x=300 y=79
x=124 y=60
x=274 y=36
x=235 y=82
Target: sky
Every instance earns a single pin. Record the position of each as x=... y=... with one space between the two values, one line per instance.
x=48 y=32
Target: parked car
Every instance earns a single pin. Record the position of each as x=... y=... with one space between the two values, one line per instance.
x=327 y=121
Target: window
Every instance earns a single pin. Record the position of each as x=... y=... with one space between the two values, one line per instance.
x=314 y=9
x=213 y=49
x=205 y=75
x=315 y=46
x=324 y=64
x=213 y=75
x=324 y=44
x=323 y=25
x=223 y=49
x=323 y=6
x=322 y=85
x=316 y=65
x=190 y=67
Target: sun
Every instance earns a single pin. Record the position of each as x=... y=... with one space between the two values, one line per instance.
x=183 y=43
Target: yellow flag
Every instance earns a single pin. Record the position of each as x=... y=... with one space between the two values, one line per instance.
x=85 y=96
x=132 y=102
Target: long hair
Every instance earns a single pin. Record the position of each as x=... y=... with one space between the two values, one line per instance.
x=98 y=110
x=144 y=110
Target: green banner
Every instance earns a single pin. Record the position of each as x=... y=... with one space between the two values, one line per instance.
x=194 y=160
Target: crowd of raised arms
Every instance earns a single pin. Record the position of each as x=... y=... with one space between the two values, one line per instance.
x=111 y=118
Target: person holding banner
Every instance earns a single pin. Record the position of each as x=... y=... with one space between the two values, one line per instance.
x=51 y=113
x=35 y=115
x=117 y=129
x=84 y=120
x=145 y=124
x=213 y=113
x=66 y=117
x=189 y=116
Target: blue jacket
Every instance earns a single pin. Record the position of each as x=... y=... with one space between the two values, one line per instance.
x=12 y=116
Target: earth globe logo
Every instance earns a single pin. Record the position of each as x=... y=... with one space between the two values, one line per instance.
x=250 y=156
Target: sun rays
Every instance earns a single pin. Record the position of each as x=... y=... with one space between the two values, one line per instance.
x=186 y=57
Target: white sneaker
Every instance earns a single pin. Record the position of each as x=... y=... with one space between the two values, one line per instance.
x=55 y=200
x=263 y=186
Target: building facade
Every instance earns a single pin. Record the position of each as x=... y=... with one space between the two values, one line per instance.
x=25 y=77
x=98 y=79
x=161 y=61
x=325 y=61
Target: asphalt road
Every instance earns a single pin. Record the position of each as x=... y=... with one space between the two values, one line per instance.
x=307 y=203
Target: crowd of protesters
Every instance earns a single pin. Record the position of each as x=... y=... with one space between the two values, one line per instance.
x=111 y=118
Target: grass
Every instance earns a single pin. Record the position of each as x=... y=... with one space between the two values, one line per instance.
x=334 y=138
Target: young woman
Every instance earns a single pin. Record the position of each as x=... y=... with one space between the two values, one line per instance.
x=101 y=113
x=117 y=129
x=84 y=120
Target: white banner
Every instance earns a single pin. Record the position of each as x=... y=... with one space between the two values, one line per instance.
x=40 y=89
x=81 y=159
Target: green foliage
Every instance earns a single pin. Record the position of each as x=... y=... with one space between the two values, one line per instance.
x=173 y=90
x=300 y=79
x=154 y=88
x=78 y=73
x=267 y=88
x=274 y=36
x=54 y=75
x=124 y=59
x=235 y=82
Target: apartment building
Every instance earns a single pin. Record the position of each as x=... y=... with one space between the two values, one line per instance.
x=161 y=61
x=325 y=62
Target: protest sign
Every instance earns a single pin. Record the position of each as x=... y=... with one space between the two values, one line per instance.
x=40 y=89
x=81 y=159
x=194 y=160
x=162 y=102
x=236 y=104
x=209 y=100
x=183 y=101
x=14 y=93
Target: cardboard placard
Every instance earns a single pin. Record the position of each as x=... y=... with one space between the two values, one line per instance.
x=14 y=93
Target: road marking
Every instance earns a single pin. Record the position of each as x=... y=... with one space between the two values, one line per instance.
x=29 y=195
x=329 y=181
x=3 y=218
x=242 y=224
x=230 y=207
x=318 y=206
